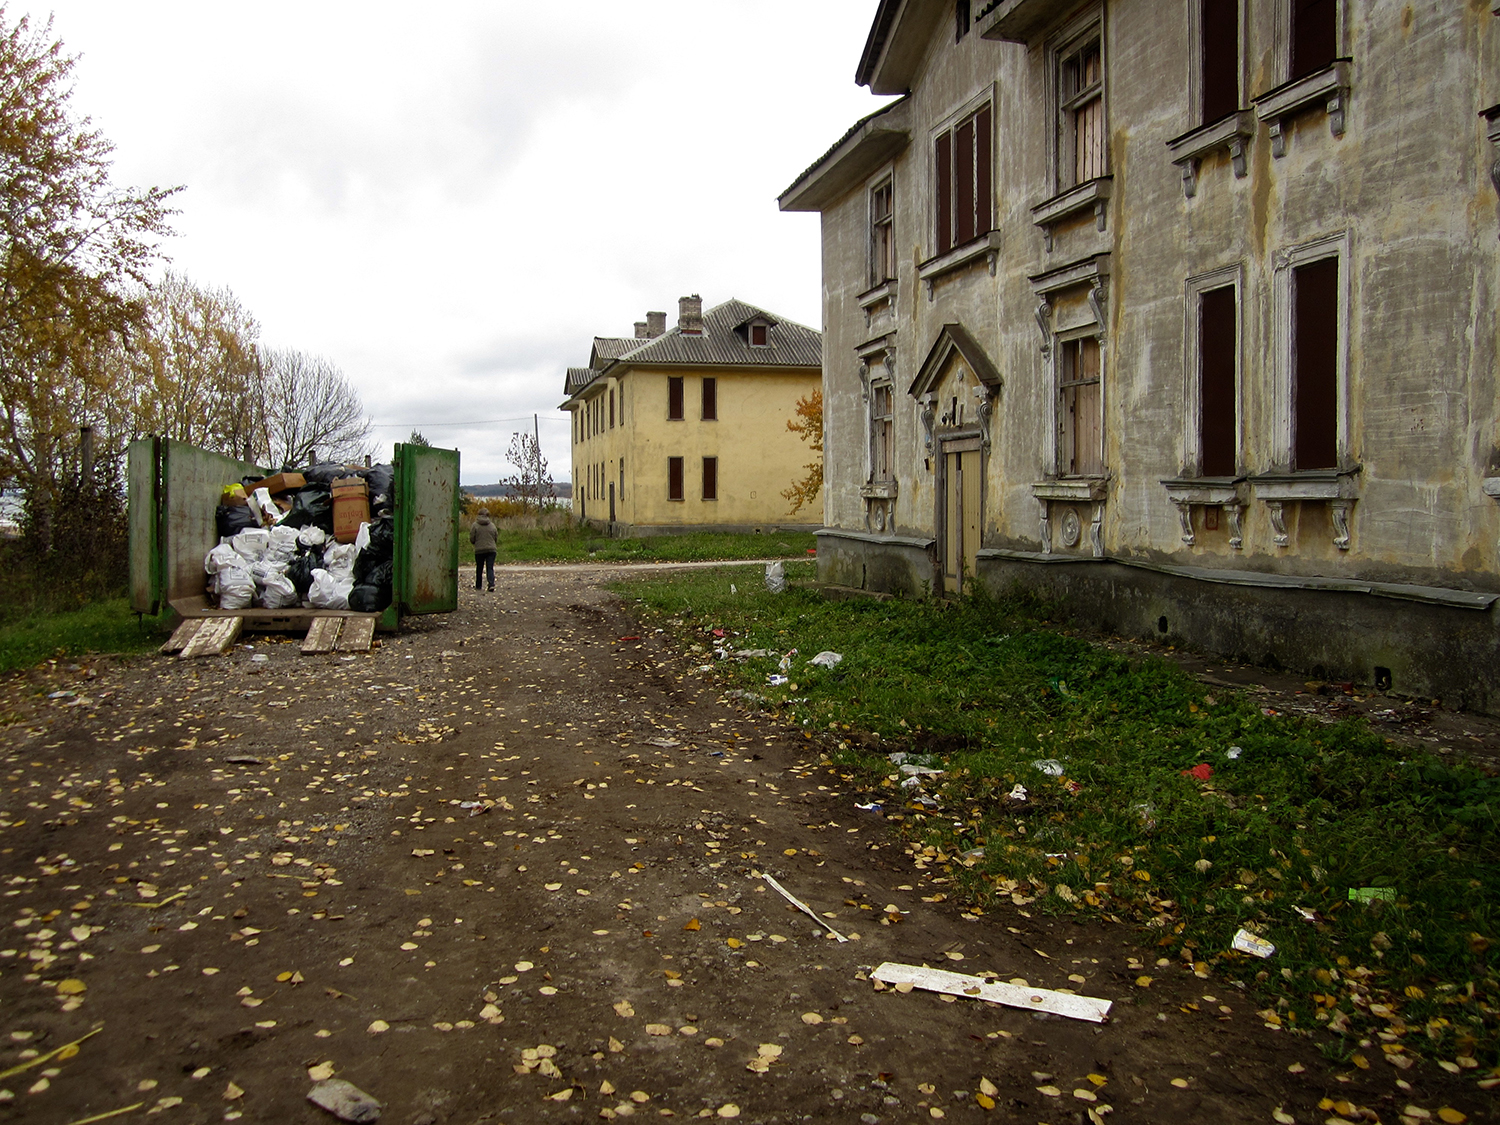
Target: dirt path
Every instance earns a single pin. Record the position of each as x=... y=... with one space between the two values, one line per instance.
x=257 y=866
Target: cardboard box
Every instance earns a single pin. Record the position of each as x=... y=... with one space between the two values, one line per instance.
x=351 y=507
x=282 y=482
x=233 y=496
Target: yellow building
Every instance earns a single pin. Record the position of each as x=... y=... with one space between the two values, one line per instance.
x=686 y=429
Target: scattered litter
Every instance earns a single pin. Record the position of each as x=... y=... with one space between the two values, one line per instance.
x=1147 y=812
x=912 y=783
x=752 y=653
x=475 y=807
x=345 y=1101
x=913 y=770
x=1233 y=753
x=1246 y=942
x=827 y=659
x=800 y=905
x=1049 y=766
x=786 y=661
x=1015 y=996
x=775 y=680
x=1370 y=894
x=664 y=743
x=1306 y=914
x=873 y=806
x=1202 y=771
x=775 y=578
x=974 y=854
x=1018 y=793
x=244 y=760
x=260 y=658
x=733 y=589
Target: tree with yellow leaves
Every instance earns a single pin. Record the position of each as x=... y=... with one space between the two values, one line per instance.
x=808 y=425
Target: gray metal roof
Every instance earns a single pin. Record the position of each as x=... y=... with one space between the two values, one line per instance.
x=607 y=348
x=577 y=379
x=725 y=341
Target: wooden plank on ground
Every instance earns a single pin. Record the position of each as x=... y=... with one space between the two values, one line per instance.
x=183 y=634
x=357 y=634
x=322 y=635
x=215 y=637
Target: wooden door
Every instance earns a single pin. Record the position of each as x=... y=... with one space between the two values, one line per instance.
x=963 y=509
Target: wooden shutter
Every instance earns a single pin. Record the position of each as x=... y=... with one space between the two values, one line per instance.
x=944 y=193
x=1315 y=310
x=711 y=396
x=1314 y=35
x=983 y=172
x=674 y=478
x=674 y=397
x=1217 y=351
x=710 y=478
x=1221 y=58
x=963 y=183
x=611 y=409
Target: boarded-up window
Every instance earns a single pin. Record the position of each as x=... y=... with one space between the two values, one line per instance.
x=1221 y=58
x=622 y=478
x=674 y=398
x=1082 y=151
x=964 y=177
x=711 y=398
x=1314 y=35
x=882 y=249
x=880 y=432
x=1315 y=348
x=1080 y=446
x=1218 y=350
x=710 y=478
x=611 y=409
x=674 y=478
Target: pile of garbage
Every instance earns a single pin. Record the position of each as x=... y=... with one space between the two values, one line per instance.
x=321 y=538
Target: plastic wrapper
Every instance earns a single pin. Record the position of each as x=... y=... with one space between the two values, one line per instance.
x=311 y=536
x=362 y=537
x=775 y=578
x=233 y=519
x=251 y=543
x=277 y=592
x=328 y=591
x=236 y=588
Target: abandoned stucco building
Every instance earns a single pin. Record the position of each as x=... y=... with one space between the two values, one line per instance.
x=1184 y=309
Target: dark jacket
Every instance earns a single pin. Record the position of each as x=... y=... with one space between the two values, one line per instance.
x=484 y=535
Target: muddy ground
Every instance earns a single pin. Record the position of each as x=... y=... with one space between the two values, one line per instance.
x=504 y=868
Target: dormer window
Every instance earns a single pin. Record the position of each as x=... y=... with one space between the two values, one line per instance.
x=760 y=336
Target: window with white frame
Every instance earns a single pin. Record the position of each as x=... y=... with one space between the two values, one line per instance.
x=963 y=166
x=882 y=245
x=1082 y=148
x=882 y=417
x=1080 y=408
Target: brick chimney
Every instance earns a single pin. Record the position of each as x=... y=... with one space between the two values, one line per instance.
x=656 y=324
x=690 y=315
x=641 y=331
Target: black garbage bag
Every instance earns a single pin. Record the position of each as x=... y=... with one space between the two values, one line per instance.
x=325 y=472
x=312 y=506
x=381 y=481
x=300 y=570
x=233 y=520
x=373 y=585
x=381 y=549
x=369 y=599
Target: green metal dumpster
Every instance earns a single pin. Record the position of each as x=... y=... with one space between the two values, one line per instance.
x=173 y=490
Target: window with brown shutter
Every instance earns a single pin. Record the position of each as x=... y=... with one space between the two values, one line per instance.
x=674 y=398
x=881 y=467
x=758 y=337
x=710 y=478
x=1080 y=446
x=1220 y=77
x=964 y=156
x=1315 y=310
x=674 y=478
x=711 y=399
x=1082 y=151
x=1218 y=349
x=1314 y=36
x=611 y=409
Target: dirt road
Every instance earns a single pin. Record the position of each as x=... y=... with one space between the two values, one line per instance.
x=504 y=868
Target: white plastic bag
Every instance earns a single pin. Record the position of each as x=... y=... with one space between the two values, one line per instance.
x=312 y=536
x=329 y=591
x=282 y=545
x=265 y=508
x=338 y=558
x=251 y=543
x=775 y=578
x=236 y=588
x=826 y=659
x=222 y=557
x=362 y=540
x=277 y=592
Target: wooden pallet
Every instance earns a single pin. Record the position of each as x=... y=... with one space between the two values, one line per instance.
x=182 y=635
x=213 y=637
x=357 y=634
x=322 y=635
x=342 y=634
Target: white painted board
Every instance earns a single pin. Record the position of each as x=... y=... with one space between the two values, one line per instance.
x=1011 y=995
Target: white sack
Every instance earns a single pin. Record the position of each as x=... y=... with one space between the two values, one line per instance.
x=329 y=591
x=251 y=543
x=236 y=588
x=222 y=557
x=312 y=536
x=277 y=593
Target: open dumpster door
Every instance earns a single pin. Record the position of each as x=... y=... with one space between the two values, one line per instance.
x=427 y=502
x=143 y=518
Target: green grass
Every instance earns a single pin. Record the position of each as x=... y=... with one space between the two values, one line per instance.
x=100 y=627
x=574 y=543
x=1303 y=813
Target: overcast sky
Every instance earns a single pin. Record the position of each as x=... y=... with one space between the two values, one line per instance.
x=450 y=202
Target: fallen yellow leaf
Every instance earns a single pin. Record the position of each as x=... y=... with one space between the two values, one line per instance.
x=693 y=925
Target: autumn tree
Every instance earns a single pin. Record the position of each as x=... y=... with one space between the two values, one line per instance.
x=532 y=482
x=808 y=425
x=308 y=404
x=72 y=246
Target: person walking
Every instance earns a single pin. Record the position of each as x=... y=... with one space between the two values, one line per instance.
x=485 y=536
